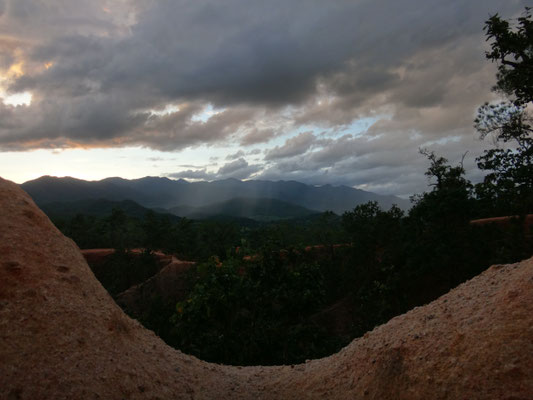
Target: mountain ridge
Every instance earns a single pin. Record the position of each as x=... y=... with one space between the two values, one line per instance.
x=162 y=192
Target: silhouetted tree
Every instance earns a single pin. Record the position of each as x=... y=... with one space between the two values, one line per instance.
x=508 y=187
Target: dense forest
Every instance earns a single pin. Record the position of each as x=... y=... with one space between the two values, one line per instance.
x=258 y=296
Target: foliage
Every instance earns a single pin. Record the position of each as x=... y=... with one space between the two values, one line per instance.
x=449 y=200
x=374 y=234
x=249 y=313
x=508 y=187
x=116 y=230
x=399 y=261
x=512 y=48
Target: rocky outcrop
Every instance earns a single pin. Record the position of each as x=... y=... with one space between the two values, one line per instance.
x=169 y=285
x=63 y=337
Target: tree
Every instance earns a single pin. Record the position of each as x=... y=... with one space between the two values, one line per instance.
x=376 y=259
x=158 y=231
x=508 y=187
x=118 y=222
x=372 y=232
x=253 y=313
x=449 y=202
x=512 y=48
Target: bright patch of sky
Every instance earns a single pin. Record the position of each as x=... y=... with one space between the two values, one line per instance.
x=358 y=127
x=199 y=157
x=17 y=99
x=96 y=164
x=13 y=99
x=169 y=109
x=88 y=164
x=442 y=141
x=206 y=113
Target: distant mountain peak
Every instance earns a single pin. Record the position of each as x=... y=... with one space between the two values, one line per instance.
x=162 y=192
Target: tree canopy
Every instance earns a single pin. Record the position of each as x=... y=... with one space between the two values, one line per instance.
x=508 y=186
x=512 y=48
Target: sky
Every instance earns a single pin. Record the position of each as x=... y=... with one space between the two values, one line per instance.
x=341 y=92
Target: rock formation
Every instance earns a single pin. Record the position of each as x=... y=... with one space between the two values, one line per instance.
x=63 y=337
x=169 y=285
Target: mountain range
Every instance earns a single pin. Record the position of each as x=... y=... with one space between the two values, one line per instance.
x=233 y=197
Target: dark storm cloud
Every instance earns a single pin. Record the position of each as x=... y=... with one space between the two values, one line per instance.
x=257 y=135
x=238 y=52
x=179 y=129
x=193 y=174
x=98 y=70
x=37 y=20
x=239 y=169
x=292 y=147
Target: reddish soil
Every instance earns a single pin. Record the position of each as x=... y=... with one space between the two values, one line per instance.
x=169 y=285
x=528 y=220
x=507 y=222
x=96 y=256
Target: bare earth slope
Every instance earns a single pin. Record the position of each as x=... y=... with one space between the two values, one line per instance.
x=169 y=285
x=61 y=336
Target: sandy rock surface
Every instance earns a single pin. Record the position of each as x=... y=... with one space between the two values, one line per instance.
x=63 y=337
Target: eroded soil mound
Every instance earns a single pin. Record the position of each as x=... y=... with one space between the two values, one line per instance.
x=169 y=286
x=62 y=336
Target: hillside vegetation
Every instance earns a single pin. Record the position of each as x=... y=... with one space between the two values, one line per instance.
x=259 y=209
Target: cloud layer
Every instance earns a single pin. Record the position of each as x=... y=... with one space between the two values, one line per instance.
x=293 y=77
